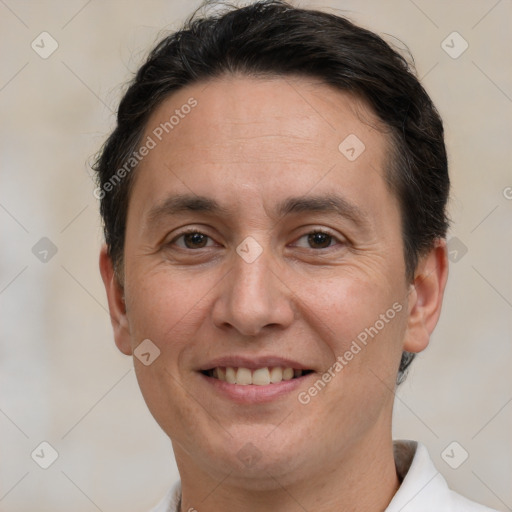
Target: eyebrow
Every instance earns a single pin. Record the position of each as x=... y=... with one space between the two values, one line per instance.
x=185 y=203
x=329 y=203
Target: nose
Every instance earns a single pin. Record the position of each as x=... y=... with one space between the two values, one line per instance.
x=253 y=298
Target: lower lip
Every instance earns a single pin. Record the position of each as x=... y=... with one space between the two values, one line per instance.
x=252 y=394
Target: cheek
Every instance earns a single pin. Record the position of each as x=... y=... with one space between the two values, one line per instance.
x=363 y=328
x=167 y=307
x=360 y=319
x=168 y=310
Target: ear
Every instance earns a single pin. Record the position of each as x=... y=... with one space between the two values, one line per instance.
x=116 y=304
x=426 y=297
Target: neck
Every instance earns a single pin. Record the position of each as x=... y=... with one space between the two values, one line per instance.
x=364 y=479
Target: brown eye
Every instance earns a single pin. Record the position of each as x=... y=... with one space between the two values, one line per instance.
x=319 y=240
x=195 y=240
x=192 y=240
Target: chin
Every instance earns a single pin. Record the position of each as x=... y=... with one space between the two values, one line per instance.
x=260 y=457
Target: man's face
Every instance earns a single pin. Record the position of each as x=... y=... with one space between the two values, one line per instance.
x=297 y=253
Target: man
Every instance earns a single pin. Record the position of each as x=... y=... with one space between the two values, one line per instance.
x=274 y=201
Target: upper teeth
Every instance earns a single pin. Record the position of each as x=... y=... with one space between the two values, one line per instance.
x=258 y=377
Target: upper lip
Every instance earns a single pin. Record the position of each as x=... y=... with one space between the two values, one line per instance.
x=253 y=363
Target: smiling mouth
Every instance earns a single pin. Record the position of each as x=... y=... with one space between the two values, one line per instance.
x=257 y=377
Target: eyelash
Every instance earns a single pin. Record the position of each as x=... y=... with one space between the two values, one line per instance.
x=313 y=232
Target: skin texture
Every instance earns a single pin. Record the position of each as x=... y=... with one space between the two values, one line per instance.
x=250 y=144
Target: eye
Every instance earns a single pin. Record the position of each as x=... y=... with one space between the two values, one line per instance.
x=192 y=240
x=317 y=240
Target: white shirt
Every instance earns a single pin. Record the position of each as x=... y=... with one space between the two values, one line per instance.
x=423 y=488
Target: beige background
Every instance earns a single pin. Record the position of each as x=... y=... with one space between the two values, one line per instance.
x=61 y=378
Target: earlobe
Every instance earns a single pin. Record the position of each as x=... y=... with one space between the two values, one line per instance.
x=116 y=304
x=426 y=297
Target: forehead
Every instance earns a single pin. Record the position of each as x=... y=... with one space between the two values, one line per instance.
x=237 y=135
x=233 y=109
